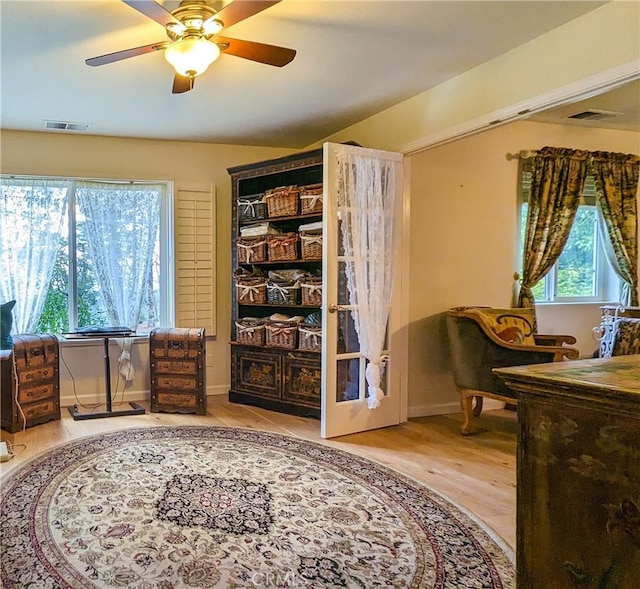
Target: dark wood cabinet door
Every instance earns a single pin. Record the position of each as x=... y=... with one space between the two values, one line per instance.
x=256 y=372
x=302 y=379
x=578 y=496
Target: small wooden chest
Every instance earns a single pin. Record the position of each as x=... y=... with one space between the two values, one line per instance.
x=178 y=367
x=30 y=382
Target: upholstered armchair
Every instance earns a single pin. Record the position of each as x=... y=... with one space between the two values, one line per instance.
x=484 y=338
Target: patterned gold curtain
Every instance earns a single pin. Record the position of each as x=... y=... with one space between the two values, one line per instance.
x=557 y=182
x=616 y=179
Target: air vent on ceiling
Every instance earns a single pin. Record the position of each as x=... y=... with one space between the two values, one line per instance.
x=65 y=126
x=594 y=115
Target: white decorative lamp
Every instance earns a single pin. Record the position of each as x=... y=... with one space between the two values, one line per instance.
x=191 y=56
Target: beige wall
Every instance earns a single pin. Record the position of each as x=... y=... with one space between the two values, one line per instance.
x=184 y=163
x=605 y=39
x=464 y=226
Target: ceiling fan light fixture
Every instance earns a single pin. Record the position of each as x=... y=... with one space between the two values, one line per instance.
x=191 y=56
x=211 y=26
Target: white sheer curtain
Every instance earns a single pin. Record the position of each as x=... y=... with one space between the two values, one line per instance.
x=32 y=216
x=121 y=222
x=366 y=195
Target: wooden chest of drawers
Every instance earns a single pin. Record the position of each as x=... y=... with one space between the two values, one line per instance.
x=177 y=364
x=35 y=396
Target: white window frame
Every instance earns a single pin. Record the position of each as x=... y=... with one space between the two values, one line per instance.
x=166 y=237
x=607 y=284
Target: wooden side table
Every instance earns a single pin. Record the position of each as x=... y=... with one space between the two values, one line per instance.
x=105 y=336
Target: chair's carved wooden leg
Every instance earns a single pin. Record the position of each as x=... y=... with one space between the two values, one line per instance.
x=477 y=410
x=466 y=403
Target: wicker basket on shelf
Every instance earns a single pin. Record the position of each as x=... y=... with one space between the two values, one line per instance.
x=281 y=292
x=250 y=332
x=251 y=250
x=311 y=245
x=251 y=290
x=252 y=207
x=310 y=337
x=281 y=334
x=311 y=290
x=311 y=199
x=283 y=201
x=283 y=247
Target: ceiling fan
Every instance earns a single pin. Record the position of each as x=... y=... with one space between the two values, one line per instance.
x=195 y=41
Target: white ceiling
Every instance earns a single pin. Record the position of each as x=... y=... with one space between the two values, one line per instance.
x=617 y=109
x=354 y=59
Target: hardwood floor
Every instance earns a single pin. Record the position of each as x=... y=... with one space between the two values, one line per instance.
x=478 y=472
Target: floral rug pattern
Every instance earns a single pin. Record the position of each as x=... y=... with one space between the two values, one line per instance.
x=211 y=507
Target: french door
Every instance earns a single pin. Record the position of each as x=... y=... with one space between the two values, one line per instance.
x=345 y=394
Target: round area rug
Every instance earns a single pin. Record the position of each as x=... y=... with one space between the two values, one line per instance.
x=184 y=507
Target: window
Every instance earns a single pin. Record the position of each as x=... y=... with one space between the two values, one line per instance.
x=582 y=273
x=75 y=253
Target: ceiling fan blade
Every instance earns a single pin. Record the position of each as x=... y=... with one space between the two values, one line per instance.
x=261 y=52
x=181 y=84
x=153 y=10
x=126 y=53
x=241 y=9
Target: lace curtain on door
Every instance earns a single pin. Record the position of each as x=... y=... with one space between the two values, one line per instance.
x=366 y=194
x=122 y=233
x=32 y=215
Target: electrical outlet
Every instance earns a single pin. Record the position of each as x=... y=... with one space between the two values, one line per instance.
x=4 y=452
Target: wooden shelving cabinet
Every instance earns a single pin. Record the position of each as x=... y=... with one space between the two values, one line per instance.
x=280 y=379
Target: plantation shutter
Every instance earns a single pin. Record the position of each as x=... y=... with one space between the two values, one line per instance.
x=195 y=262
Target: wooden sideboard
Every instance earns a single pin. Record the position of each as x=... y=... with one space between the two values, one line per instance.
x=578 y=497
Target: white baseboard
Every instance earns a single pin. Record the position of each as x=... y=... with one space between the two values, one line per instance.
x=447 y=408
x=69 y=400
x=143 y=395
x=221 y=389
